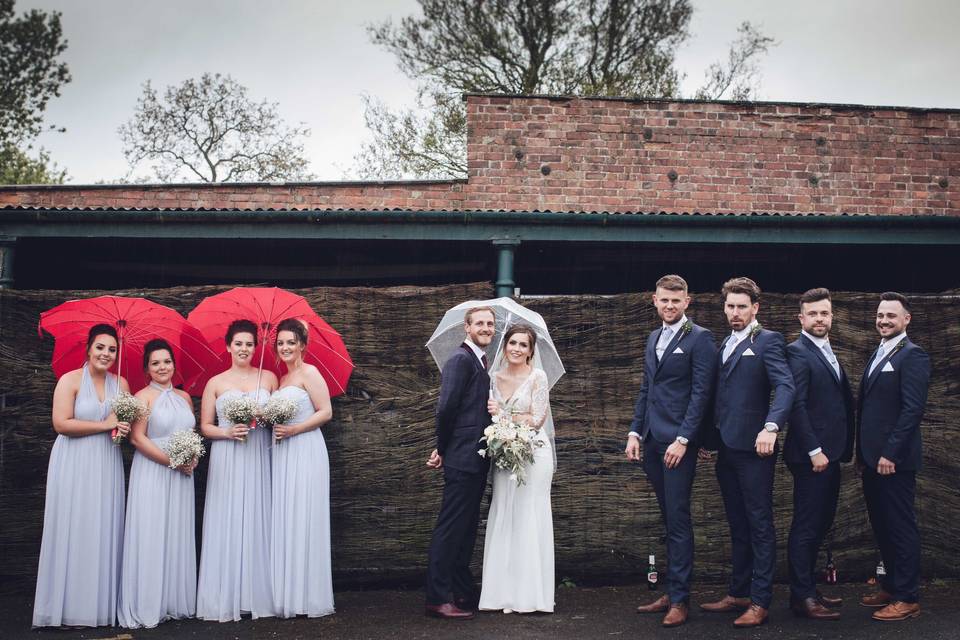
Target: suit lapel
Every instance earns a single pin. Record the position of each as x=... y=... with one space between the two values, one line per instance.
x=670 y=346
x=473 y=357
x=822 y=357
x=872 y=378
x=736 y=355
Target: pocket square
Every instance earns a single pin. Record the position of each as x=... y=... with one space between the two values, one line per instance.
x=749 y=352
x=887 y=367
x=678 y=350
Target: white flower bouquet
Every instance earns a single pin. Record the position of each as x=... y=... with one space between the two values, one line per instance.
x=510 y=445
x=278 y=410
x=128 y=409
x=241 y=410
x=183 y=447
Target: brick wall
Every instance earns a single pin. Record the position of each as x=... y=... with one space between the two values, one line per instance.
x=569 y=154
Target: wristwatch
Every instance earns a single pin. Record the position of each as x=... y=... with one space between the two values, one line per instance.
x=682 y=440
x=772 y=428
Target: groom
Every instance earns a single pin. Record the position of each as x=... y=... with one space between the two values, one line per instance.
x=461 y=418
x=678 y=372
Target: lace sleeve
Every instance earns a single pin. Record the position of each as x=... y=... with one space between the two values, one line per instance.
x=540 y=399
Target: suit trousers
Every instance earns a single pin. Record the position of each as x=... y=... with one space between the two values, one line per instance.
x=673 y=487
x=746 y=483
x=815 y=497
x=894 y=521
x=454 y=536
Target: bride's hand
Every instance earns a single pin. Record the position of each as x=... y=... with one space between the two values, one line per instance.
x=493 y=407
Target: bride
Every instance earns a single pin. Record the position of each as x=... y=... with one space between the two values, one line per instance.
x=518 y=572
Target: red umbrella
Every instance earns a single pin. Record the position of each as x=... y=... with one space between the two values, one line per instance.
x=137 y=321
x=266 y=307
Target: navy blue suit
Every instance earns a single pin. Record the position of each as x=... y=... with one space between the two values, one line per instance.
x=891 y=404
x=822 y=417
x=756 y=368
x=674 y=398
x=461 y=418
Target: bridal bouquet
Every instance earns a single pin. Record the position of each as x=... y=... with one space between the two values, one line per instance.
x=183 y=447
x=128 y=409
x=241 y=410
x=278 y=410
x=510 y=445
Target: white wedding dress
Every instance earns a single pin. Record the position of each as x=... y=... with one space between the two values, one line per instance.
x=518 y=571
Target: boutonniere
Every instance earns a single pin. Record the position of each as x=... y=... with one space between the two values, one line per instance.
x=686 y=328
x=899 y=346
x=755 y=331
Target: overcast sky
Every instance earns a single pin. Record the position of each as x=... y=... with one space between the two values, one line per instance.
x=313 y=57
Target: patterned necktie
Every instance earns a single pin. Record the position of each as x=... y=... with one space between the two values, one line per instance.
x=831 y=358
x=664 y=340
x=728 y=350
x=876 y=359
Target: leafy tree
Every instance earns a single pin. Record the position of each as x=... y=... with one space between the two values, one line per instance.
x=30 y=75
x=568 y=47
x=16 y=167
x=209 y=129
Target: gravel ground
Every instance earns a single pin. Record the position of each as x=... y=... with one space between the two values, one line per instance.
x=606 y=612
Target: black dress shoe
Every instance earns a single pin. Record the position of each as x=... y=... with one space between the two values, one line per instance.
x=828 y=602
x=467 y=604
x=448 y=611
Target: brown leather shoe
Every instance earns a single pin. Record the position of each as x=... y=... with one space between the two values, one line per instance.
x=752 y=617
x=828 y=602
x=897 y=611
x=879 y=599
x=676 y=616
x=811 y=608
x=448 y=611
x=659 y=605
x=726 y=604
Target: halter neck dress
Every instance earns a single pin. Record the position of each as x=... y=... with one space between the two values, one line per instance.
x=79 y=571
x=159 y=576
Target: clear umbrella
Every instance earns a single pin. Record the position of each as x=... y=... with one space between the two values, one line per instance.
x=449 y=334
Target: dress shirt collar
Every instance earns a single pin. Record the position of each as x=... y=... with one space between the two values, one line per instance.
x=820 y=342
x=477 y=351
x=889 y=344
x=676 y=325
x=743 y=333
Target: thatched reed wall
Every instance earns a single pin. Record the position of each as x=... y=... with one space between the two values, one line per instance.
x=383 y=498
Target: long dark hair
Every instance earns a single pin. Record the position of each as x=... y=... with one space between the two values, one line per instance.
x=521 y=328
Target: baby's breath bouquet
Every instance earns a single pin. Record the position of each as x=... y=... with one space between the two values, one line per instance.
x=183 y=447
x=278 y=410
x=241 y=410
x=128 y=409
x=510 y=445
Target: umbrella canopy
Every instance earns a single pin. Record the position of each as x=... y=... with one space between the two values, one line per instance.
x=137 y=321
x=266 y=307
x=449 y=334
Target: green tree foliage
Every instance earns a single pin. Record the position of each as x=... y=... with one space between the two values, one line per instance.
x=30 y=75
x=568 y=47
x=211 y=130
x=16 y=167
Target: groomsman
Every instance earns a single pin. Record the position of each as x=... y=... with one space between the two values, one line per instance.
x=461 y=418
x=675 y=392
x=752 y=364
x=820 y=437
x=893 y=394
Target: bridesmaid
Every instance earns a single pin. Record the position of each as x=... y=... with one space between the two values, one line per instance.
x=235 y=555
x=79 y=570
x=159 y=577
x=300 y=547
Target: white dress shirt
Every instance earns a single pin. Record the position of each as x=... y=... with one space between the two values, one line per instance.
x=477 y=351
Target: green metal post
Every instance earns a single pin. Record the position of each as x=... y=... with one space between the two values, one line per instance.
x=505 y=284
x=8 y=246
